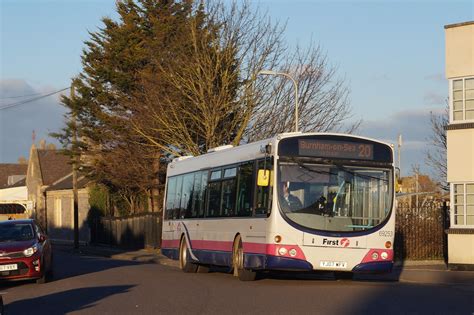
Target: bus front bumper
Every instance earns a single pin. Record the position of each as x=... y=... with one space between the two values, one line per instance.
x=270 y=262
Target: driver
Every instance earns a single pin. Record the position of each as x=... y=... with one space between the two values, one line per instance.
x=290 y=202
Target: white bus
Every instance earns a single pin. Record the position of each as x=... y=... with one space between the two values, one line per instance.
x=297 y=201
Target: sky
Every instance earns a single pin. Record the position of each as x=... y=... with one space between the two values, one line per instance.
x=391 y=54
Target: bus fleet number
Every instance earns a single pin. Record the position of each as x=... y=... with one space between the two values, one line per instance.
x=386 y=233
x=365 y=151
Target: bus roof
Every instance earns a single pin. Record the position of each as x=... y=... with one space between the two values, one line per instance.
x=241 y=153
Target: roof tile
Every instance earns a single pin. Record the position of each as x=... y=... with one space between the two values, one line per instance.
x=54 y=165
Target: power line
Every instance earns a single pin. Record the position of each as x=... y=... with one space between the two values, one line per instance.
x=19 y=96
x=32 y=99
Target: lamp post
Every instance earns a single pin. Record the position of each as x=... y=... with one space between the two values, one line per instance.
x=270 y=72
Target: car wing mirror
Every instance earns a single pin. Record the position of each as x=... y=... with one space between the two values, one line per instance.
x=42 y=238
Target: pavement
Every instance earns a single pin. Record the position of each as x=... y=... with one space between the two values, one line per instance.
x=423 y=272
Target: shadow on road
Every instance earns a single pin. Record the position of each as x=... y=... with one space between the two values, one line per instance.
x=394 y=276
x=65 y=301
x=67 y=265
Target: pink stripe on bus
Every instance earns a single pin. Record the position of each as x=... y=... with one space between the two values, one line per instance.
x=254 y=248
x=212 y=245
x=169 y=243
x=248 y=247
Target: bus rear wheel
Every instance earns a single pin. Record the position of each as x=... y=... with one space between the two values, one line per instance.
x=184 y=263
x=238 y=262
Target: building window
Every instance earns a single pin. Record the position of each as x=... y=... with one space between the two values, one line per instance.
x=462 y=99
x=57 y=212
x=462 y=211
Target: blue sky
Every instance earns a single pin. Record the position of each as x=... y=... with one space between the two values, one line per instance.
x=390 y=52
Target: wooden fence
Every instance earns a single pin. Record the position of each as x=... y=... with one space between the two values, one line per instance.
x=420 y=231
x=137 y=231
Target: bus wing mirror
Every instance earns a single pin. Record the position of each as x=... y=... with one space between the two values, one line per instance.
x=263 y=178
x=398 y=180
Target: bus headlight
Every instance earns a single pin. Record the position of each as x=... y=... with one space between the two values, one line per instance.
x=282 y=251
x=292 y=252
x=375 y=256
x=384 y=255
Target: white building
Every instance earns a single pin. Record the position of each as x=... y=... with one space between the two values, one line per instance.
x=460 y=140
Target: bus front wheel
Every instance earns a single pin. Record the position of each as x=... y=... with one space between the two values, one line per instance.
x=184 y=263
x=238 y=262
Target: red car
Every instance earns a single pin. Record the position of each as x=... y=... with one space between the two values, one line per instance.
x=25 y=251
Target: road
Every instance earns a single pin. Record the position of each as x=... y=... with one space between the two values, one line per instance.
x=97 y=285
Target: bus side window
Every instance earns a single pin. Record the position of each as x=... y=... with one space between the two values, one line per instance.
x=199 y=194
x=228 y=192
x=196 y=195
x=263 y=193
x=170 y=197
x=177 y=200
x=186 y=201
x=214 y=193
x=203 y=200
x=244 y=190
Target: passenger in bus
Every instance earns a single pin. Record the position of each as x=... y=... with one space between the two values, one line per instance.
x=289 y=202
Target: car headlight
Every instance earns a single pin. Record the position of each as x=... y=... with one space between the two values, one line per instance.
x=30 y=251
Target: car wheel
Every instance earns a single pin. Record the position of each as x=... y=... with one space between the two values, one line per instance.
x=42 y=279
x=184 y=263
x=43 y=274
x=238 y=262
x=50 y=268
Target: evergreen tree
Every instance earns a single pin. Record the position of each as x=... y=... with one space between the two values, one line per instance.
x=146 y=39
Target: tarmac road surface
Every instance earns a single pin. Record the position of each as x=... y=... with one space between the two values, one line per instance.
x=98 y=285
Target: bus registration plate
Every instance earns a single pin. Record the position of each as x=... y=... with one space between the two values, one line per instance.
x=333 y=264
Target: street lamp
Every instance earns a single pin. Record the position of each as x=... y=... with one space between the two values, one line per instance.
x=270 y=72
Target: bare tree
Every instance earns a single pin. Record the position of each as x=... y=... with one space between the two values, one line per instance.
x=436 y=156
x=218 y=97
x=323 y=98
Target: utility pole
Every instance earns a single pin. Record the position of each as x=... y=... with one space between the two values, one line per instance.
x=74 y=170
x=417 y=171
x=398 y=178
x=399 y=153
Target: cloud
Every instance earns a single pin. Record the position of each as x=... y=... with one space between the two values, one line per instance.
x=413 y=125
x=17 y=123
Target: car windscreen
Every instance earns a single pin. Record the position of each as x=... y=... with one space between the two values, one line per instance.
x=10 y=232
x=334 y=198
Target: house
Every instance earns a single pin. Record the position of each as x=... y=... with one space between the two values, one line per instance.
x=460 y=143
x=45 y=167
x=60 y=210
x=13 y=193
x=418 y=189
x=11 y=173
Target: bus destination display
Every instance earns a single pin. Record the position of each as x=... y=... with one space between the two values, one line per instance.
x=336 y=149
